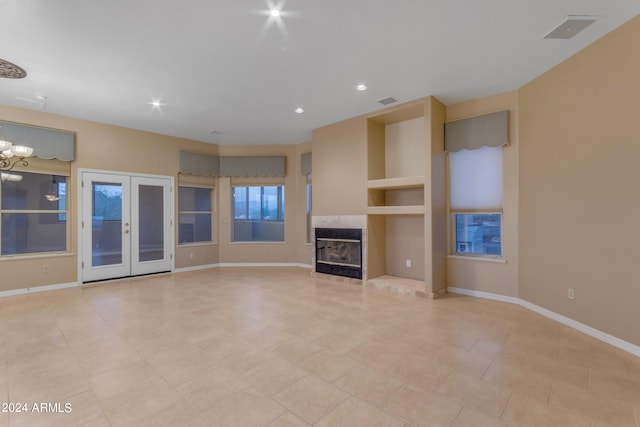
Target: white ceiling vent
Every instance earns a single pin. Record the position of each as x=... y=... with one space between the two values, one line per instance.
x=571 y=26
x=387 y=101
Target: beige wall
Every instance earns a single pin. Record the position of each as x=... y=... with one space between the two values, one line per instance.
x=340 y=148
x=481 y=275
x=435 y=191
x=404 y=148
x=101 y=146
x=579 y=198
x=404 y=154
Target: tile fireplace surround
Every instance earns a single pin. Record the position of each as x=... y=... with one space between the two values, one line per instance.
x=341 y=221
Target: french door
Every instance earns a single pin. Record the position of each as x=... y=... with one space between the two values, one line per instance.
x=126 y=225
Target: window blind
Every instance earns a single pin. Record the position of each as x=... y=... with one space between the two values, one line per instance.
x=489 y=130
x=199 y=164
x=46 y=143
x=305 y=163
x=251 y=166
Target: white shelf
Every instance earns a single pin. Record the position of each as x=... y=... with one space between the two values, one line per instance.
x=399 y=183
x=396 y=210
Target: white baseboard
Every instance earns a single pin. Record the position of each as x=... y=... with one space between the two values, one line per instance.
x=263 y=264
x=37 y=289
x=196 y=268
x=484 y=295
x=595 y=333
x=242 y=264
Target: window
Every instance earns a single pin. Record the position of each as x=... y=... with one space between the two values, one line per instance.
x=33 y=209
x=195 y=215
x=476 y=201
x=258 y=213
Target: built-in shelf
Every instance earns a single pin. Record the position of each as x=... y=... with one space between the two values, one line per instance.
x=396 y=210
x=399 y=183
x=399 y=284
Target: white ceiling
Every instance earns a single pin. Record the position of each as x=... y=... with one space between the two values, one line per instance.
x=228 y=65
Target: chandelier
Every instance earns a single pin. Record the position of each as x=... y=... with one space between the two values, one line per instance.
x=12 y=155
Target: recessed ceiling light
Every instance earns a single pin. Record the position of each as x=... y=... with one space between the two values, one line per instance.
x=275 y=13
x=361 y=87
x=299 y=110
x=155 y=104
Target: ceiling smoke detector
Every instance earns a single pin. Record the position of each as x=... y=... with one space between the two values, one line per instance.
x=387 y=101
x=571 y=26
x=11 y=71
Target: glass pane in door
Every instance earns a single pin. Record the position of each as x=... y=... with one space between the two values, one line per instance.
x=106 y=224
x=151 y=223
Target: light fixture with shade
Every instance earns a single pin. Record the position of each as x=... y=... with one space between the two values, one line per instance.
x=53 y=195
x=12 y=155
x=10 y=177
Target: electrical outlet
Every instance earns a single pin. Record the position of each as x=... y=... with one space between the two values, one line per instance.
x=570 y=293
x=408 y=263
x=45 y=268
x=192 y=255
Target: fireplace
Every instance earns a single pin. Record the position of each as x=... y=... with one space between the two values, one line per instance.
x=338 y=252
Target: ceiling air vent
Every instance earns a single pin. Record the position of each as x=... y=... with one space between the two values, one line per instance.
x=571 y=26
x=387 y=101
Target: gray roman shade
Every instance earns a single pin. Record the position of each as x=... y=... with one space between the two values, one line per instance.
x=305 y=163
x=199 y=164
x=489 y=130
x=46 y=143
x=252 y=166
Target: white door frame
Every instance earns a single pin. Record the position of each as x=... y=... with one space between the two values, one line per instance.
x=81 y=230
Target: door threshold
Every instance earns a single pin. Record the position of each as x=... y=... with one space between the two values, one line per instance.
x=116 y=279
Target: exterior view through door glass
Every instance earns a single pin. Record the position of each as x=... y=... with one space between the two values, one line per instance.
x=151 y=217
x=126 y=223
x=106 y=224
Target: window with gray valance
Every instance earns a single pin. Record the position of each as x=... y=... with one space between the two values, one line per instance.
x=305 y=163
x=199 y=164
x=236 y=166
x=488 y=130
x=46 y=143
x=233 y=166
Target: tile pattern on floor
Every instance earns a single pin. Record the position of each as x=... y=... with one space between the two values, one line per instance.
x=277 y=347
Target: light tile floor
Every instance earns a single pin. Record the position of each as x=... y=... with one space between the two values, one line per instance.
x=276 y=347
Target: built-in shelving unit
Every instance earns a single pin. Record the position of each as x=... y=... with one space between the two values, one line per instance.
x=401 y=145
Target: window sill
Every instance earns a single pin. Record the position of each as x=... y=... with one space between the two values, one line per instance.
x=190 y=245
x=496 y=260
x=16 y=257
